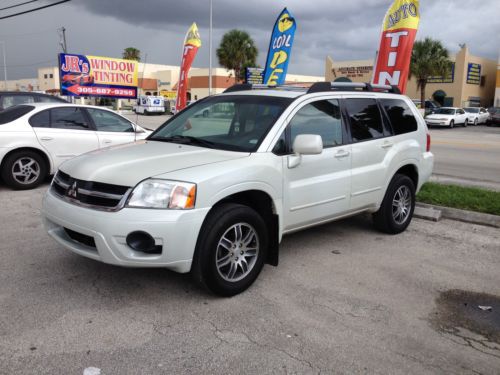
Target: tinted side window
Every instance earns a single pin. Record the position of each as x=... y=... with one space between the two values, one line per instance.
x=365 y=119
x=68 y=118
x=12 y=100
x=14 y=113
x=322 y=118
x=106 y=121
x=400 y=115
x=40 y=120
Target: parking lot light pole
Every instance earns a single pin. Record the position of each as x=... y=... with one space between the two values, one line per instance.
x=4 y=65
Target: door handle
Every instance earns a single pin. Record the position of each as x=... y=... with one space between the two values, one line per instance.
x=342 y=154
x=46 y=138
x=107 y=141
x=387 y=145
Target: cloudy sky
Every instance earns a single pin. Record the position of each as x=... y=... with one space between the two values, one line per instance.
x=342 y=29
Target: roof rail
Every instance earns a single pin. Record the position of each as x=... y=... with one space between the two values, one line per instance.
x=256 y=86
x=351 y=86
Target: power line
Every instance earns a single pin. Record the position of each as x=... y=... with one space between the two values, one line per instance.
x=18 y=5
x=33 y=10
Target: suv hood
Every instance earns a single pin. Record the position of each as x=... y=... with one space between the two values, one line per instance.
x=131 y=163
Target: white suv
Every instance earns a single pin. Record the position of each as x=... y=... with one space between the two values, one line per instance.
x=215 y=188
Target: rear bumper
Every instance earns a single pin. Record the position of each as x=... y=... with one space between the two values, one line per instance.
x=426 y=167
x=175 y=231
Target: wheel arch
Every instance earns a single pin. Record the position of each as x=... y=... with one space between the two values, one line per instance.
x=42 y=154
x=409 y=170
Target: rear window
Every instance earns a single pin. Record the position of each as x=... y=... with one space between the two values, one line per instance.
x=400 y=116
x=364 y=119
x=13 y=113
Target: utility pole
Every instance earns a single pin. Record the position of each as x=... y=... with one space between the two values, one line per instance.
x=63 y=41
x=4 y=65
x=210 y=53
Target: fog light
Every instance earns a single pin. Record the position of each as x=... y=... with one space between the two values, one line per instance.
x=142 y=241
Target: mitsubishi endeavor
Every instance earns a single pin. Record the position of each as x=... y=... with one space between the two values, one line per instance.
x=214 y=189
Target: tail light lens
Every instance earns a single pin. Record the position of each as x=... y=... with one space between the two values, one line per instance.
x=428 y=145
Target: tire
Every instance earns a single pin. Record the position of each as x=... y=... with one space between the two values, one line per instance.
x=230 y=277
x=466 y=122
x=476 y=122
x=24 y=170
x=452 y=124
x=390 y=218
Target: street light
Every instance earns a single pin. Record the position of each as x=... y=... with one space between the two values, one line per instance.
x=4 y=65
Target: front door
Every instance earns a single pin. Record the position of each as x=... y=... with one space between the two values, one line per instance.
x=317 y=189
x=111 y=128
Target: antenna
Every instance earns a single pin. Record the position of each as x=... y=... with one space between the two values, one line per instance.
x=142 y=79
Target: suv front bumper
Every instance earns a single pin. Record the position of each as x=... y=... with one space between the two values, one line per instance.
x=175 y=230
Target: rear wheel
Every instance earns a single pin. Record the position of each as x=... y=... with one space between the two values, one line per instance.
x=475 y=122
x=231 y=249
x=452 y=124
x=396 y=210
x=24 y=170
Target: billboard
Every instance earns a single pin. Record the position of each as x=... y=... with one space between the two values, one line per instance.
x=473 y=73
x=280 y=48
x=449 y=77
x=396 y=43
x=84 y=75
x=254 y=75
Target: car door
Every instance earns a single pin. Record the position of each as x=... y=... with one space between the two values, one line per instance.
x=112 y=129
x=461 y=116
x=370 y=145
x=65 y=132
x=483 y=115
x=318 y=187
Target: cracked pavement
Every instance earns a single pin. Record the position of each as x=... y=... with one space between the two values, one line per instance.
x=344 y=299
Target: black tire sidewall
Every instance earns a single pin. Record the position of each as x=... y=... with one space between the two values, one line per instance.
x=222 y=218
x=452 y=123
x=13 y=158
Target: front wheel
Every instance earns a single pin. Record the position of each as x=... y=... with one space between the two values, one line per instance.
x=231 y=249
x=475 y=122
x=24 y=170
x=452 y=124
x=396 y=210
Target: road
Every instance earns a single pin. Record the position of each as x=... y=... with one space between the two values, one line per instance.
x=344 y=299
x=471 y=153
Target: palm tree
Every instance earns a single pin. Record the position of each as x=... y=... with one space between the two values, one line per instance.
x=236 y=51
x=131 y=53
x=428 y=58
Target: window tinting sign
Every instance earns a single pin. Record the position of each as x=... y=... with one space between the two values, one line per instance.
x=474 y=73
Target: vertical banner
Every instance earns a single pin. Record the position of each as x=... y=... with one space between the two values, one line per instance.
x=191 y=44
x=396 y=43
x=280 y=48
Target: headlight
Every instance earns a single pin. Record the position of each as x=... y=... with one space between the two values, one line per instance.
x=155 y=193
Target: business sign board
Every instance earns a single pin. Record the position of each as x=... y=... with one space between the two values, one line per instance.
x=171 y=95
x=84 y=75
x=254 y=75
x=449 y=77
x=473 y=73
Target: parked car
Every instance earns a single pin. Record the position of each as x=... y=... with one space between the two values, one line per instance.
x=476 y=115
x=447 y=116
x=430 y=105
x=35 y=139
x=12 y=98
x=494 y=116
x=215 y=194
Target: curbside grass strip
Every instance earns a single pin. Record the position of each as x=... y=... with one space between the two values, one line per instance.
x=463 y=215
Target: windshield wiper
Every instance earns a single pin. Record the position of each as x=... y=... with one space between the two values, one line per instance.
x=185 y=140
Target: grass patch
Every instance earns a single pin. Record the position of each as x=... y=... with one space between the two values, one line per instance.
x=464 y=198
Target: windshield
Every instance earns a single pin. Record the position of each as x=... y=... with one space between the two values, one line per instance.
x=235 y=122
x=444 y=111
x=471 y=110
x=13 y=113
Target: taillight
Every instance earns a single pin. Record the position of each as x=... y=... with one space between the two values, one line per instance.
x=428 y=145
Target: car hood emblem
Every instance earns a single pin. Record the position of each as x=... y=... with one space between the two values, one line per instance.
x=72 y=191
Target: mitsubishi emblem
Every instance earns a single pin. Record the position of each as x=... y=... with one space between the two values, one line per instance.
x=72 y=191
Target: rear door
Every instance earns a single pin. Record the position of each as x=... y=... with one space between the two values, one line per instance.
x=111 y=128
x=65 y=132
x=370 y=145
x=318 y=187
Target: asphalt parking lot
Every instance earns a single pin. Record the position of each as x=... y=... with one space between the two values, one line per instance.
x=344 y=299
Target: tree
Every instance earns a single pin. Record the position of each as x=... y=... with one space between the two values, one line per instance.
x=131 y=53
x=236 y=51
x=428 y=58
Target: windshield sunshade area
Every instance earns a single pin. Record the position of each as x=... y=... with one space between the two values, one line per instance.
x=13 y=113
x=232 y=122
x=444 y=111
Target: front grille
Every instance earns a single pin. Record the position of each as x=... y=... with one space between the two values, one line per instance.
x=96 y=195
x=81 y=238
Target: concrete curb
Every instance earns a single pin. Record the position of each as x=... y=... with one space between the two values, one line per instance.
x=430 y=212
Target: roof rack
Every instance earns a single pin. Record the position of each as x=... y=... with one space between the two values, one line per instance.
x=250 y=86
x=352 y=86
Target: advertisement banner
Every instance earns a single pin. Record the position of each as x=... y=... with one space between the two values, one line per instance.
x=396 y=43
x=280 y=48
x=254 y=75
x=84 y=75
x=191 y=44
x=473 y=74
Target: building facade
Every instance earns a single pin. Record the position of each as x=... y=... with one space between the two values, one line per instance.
x=470 y=81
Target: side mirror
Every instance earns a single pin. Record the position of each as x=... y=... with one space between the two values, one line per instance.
x=308 y=144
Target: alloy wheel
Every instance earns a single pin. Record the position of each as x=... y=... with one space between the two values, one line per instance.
x=401 y=205
x=26 y=170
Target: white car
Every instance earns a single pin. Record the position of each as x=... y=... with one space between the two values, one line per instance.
x=214 y=193
x=35 y=139
x=447 y=116
x=476 y=115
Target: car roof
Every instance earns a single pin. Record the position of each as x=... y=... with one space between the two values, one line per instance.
x=50 y=105
x=267 y=92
